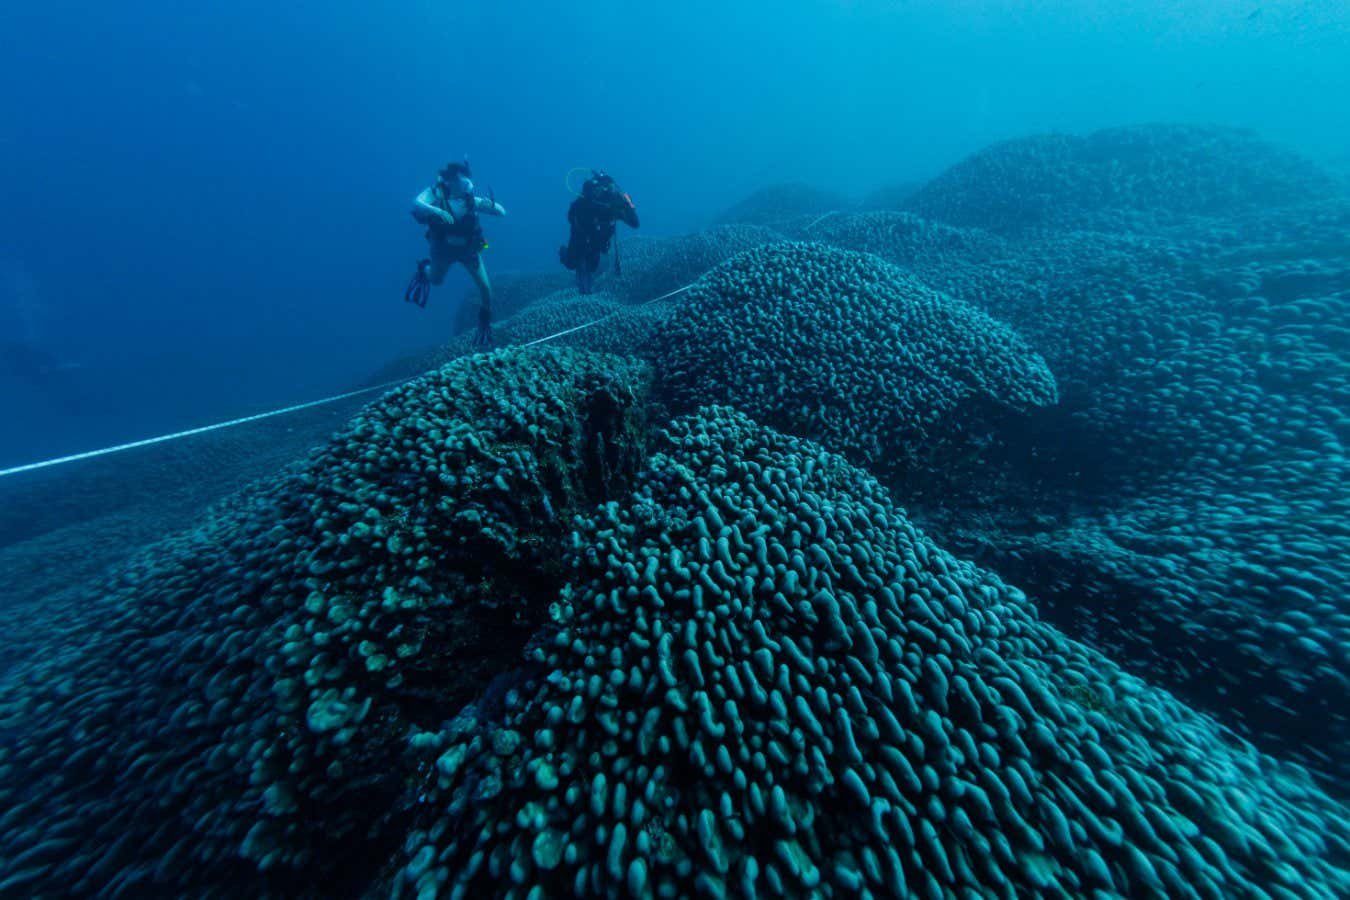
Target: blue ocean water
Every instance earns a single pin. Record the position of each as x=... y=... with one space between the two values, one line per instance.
x=206 y=208
x=942 y=492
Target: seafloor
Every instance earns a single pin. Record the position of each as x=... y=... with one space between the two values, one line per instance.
x=991 y=538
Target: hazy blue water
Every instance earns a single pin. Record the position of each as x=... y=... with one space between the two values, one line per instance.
x=208 y=209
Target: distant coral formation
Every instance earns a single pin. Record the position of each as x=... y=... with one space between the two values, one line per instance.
x=843 y=347
x=780 y=202
x=1062 y=180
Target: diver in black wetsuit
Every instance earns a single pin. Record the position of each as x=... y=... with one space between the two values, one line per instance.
x=593 y=216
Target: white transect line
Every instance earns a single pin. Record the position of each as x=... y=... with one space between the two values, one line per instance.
x=816 y=221
x=191 y=431
x=604 y=318
x=299 y=406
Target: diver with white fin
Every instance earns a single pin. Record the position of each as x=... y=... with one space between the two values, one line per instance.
x=450 y=209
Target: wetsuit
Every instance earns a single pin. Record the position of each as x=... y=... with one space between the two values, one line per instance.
x=455 y=235
x=592 y=218
x=452 y=242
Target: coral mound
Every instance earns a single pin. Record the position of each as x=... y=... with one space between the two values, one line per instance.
x=1064 y=181
x=234 y=712
x=765 y=680
x=842 y=347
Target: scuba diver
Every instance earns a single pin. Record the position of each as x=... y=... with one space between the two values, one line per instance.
x=450 y=210
x=592 y=217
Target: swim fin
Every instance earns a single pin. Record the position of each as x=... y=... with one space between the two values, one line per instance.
x=419 y=288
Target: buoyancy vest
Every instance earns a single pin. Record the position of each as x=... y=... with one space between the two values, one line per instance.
x=467 y=229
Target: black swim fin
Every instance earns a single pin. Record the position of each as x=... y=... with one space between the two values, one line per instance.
x=419 y=288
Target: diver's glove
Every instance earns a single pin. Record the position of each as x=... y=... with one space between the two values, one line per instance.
x=498 y=209
x=483 y=337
